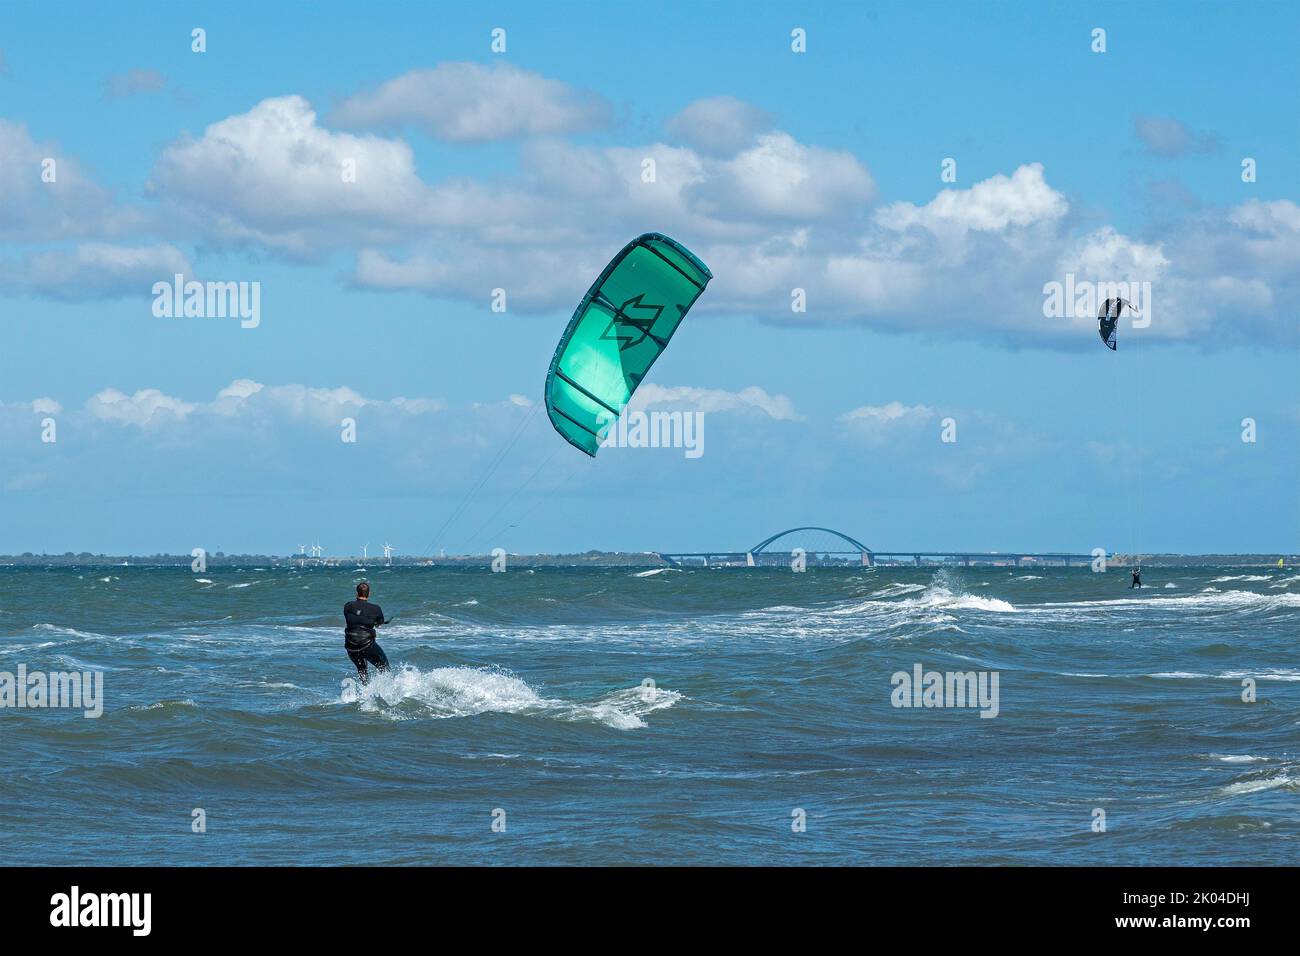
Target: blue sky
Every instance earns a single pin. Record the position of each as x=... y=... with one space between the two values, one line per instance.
x=818 y=170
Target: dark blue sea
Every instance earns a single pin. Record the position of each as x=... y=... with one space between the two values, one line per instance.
x=617 y=716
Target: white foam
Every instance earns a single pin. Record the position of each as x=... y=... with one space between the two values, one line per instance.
x=468 y=691
x=23 y=648
x=946 y=593
x=447 y=691
x=1284 y=674
x=70 y=631
x=941 y=597
x=1242 y=577
x=653 y=571
x=1236 y=758
x=626 y=709
x=1259 y=785
x=1208 y=598
x=898 y=588
x=158 y=705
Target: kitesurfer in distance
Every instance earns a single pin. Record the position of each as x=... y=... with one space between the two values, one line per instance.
x=1137 y=579
x=361 y=618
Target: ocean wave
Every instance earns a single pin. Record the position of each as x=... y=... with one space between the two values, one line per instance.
x=1235 y=758
x=277 y=685
x=947 y=593
x=179 y=704
x=1242 y=577
x=624 y=709
x=26 y=648
x=1284 y=674
x=892 y=590
x=443 y=692
x=70 y=632
x=1208 y=598
x=653 y=571
x=941 y=597
x=1259 y=784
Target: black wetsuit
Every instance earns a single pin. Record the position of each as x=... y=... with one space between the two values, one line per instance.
x=362 y=618
x=1137 y=580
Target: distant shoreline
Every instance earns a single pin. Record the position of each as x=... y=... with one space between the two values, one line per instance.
x=594 y=559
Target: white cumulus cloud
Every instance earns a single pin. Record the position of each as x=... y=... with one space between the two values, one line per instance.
x=714 y=400
x=95 y=270
x=719 y=125
x=146 y=407
x=875 y=417
x=468 y=102
x=274 y=176
x=991 y=205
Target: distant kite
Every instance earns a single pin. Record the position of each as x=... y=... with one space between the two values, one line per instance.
x=1108 y=319
x=621 y=327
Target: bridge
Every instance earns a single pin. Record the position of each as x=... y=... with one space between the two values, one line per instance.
x=841 y=549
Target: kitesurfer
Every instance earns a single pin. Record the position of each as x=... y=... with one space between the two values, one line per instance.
x=1137 y=579
x=362 y=618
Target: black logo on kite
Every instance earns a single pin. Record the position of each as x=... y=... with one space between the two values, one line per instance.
x=623 y=326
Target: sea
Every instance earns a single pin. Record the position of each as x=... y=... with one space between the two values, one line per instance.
x=737 y=716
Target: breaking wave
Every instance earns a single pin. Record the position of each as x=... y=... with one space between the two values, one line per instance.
x=410 y=693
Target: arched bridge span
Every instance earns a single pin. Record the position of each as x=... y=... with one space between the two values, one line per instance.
x=855 y=545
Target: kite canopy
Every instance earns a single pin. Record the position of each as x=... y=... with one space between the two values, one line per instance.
x=1108 y=319
x=621 y=326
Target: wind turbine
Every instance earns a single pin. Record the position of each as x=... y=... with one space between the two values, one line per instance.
x=388 y=552
x=365 y=552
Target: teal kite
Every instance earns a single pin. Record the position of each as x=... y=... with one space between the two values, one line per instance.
x=621 y=326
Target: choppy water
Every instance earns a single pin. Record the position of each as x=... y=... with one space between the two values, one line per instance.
x=525 y=692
